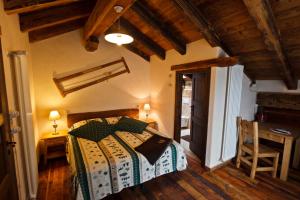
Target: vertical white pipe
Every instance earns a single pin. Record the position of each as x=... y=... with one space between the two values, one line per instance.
x=23 y=104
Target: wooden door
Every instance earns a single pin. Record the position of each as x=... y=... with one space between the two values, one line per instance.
x=199 y=113
x=8 y=183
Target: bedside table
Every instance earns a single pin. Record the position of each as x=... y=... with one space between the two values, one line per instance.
x=152 y=123
x=53 y=146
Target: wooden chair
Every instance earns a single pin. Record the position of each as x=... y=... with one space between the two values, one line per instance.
x=254 y=151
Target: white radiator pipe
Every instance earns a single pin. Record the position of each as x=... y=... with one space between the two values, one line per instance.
x=225 y=116
x=23 y=105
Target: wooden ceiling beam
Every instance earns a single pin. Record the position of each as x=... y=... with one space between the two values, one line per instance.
x=215 y=62
x=48 y=32
x=152 y=19
x=16 y=7
x=261 y=12
x=56 y=15
x=135 y=50
x=198 y=18
x=142 y=38
x=104 y=16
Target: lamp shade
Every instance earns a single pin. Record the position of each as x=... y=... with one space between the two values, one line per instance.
x=146 y=106
x=54 y=115
x=118 y=38
x=118 y=35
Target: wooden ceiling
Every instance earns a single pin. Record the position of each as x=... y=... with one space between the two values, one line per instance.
x=264 y=34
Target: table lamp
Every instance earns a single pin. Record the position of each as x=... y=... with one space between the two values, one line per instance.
x=53 y=116
x=147 y=109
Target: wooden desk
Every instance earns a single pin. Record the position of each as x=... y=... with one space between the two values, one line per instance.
x=287 y=140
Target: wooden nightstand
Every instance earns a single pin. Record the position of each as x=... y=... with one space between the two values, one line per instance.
x=152 y=123
x=53 y=146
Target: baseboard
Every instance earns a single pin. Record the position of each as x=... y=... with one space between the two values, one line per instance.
x=218 y=166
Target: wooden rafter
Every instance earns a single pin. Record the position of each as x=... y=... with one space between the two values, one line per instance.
x=142 y=38
x=261 y=12
x=103 y=16
x=52 y=31
x=135 y=50
x=199 y=19
x=13 y=7
x=55 y=15
x=216 y=62
x=152 y=19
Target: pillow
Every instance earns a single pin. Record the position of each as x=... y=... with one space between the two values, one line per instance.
x=131 y=125
x=83 y=122
x=112 y=120
x=93 y=130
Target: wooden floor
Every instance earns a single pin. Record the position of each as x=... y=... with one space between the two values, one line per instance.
x=194 y=183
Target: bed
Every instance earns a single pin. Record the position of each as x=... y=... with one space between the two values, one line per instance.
x=111 y=164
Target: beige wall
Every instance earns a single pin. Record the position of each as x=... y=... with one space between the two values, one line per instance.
x=66 y=53
x=163 y=81
x=13 y=40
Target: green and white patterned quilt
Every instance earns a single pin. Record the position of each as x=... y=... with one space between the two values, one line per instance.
x=110 y=165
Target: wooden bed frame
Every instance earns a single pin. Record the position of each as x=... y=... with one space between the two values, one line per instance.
x=76 y=117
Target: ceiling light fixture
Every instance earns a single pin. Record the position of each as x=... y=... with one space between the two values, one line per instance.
x=116 y=35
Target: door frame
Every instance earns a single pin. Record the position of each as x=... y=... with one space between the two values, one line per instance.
x=8 y=138
x=178 y=99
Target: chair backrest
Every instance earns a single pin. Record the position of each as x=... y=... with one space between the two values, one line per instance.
x=250 y=129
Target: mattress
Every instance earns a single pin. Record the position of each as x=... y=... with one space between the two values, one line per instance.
x=110 y=165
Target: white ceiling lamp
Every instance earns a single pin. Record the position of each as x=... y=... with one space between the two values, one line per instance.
x=116 y=35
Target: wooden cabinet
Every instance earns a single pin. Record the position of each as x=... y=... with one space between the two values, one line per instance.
x=53 y=146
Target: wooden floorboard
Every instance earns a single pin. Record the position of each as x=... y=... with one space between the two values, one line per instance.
x=55 y=183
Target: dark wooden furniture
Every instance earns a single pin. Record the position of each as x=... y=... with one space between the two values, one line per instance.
x=76 y=117
x=54 y=146
x=249 y=153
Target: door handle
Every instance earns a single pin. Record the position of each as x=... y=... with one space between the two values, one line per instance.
x=12 y=144
x=15 y=130
x=14 y=114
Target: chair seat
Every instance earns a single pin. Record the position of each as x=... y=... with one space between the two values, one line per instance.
x=263 y=151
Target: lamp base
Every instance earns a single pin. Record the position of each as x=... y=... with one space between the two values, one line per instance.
x=55 y=128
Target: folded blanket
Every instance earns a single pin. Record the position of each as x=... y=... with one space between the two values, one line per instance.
x=154 y=147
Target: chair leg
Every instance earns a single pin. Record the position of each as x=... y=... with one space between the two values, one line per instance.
x=238 y=158
x=275 y=165
x=253 y=168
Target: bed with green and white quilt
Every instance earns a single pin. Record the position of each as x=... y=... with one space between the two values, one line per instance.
x=107 y=166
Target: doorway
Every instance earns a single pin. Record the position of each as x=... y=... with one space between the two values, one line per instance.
x=8 y=182
x=191 y=110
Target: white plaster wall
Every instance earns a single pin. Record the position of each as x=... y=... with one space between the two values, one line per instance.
x=214 y=155
x=248 y=101
x=163 y=81
x=275 y=86
x=66 y=53
x=215 y=116
x=13 y=40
